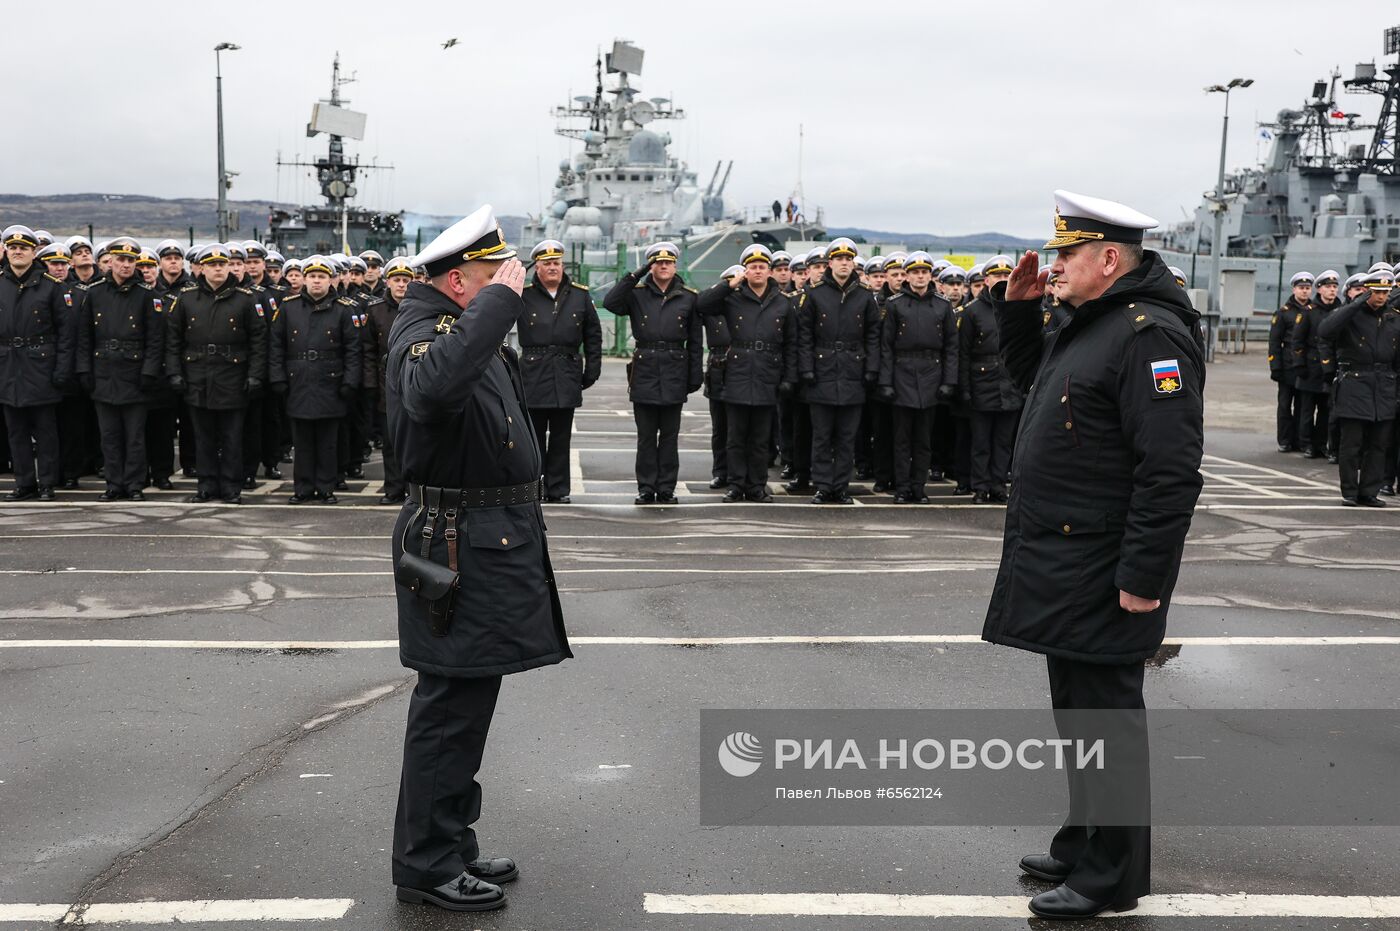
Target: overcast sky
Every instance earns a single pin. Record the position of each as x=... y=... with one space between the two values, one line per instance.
x=932 y=118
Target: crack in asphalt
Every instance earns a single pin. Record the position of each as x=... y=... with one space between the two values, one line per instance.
x=272 y=753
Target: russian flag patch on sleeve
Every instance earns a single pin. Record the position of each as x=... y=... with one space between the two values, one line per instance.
x=1166 y=376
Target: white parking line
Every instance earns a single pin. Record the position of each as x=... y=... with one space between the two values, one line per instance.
x=164 y=913
x=1182 y=905
x=576 y=485
x=873 y=639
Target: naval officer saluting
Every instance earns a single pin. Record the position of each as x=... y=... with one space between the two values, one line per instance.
x=1105 y=480
x=476 y=594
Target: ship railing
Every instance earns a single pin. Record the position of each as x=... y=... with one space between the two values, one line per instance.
x=1232 y=335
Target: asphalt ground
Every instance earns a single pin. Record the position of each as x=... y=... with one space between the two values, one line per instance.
x=203 y=704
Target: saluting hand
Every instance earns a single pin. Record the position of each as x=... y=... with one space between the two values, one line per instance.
x=1027 y=281
x=512 y=275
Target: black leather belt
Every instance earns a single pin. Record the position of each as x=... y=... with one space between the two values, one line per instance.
x=112 y=345
x=917 y=354
x=19 y=342
x=552 y=350
x=479 y=497
x=842 y=346
x=756 y=345
x=1365 y=367
x=215 y=349
x=660 y=344
x=312 y=355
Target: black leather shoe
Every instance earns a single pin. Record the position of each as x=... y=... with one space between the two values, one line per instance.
x=902 y=498
x=865 y=473
x=842 y=498
x=233 y=499
x=981 y=497
x=356 y=472
x=271 y=472
x=1043 y=866
x=250 y=483
x=22 y=494
x=823 y=497
x=198 y=498
x=164 y=484
x=340 y=485
x=558 y=499
x=732 y=495
x=998 y=496
x=645 y=497
x=330 y=499
x=667 y=497
x=762 y=496
x=136 y=496
x=935 y=475
x=880 y=488
x=393 y=499
x=111 y=494
x=1310 y=453
x=798 y=486
x=718 y=483
x=494 y=869
x=1332 y=458
x=188 y=473
x=788 y=473
x=45 y=492
x=1348 y=502
x=1064 y=902
x=1370 y=502
x=921 y=499
x=298 y=499
x=1388 y=491
x=70 y=484
x=962 y=490
x=466 y=893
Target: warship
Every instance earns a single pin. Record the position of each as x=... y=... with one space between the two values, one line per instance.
x=337 y=225
x=625 y=190
x=1326 y=196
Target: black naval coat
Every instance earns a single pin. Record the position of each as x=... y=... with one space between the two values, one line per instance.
x=121 y=341
x=216 y=342
x=920 y=348
x=668 y=362
x=762 y=340
x=717 y=346
x=37 y=337
x=1368 y=359
x=1107 y=468
x=1304 y=344
x=551 y=331
x=316 y=351
x=1283 y=364
x=458 y=419
x=984 y=382
x=381 y=321
x=838 y=340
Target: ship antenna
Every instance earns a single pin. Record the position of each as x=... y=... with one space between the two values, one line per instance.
x=596 y=123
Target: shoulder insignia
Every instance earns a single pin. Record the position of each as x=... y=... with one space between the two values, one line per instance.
x=1045 y=318
x=1273 y=320
x=640 y=284
x=1137 y=319
x=243 y=290
x=957 y=324
x=801 y=299
x=1166 y=376
x=345 y=301
x=815 y=284
x=189 y=287
x=444 y=324
x=374 y=300
x=690 y=289
x=581 y=287
x=417 y=349
x=53 y=279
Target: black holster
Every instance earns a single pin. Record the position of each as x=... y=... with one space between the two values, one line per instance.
x=433 y=582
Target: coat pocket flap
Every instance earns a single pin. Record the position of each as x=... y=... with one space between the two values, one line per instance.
x=1066 y=519
x=500 y=535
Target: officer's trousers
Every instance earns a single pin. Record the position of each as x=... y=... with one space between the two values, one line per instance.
x=882 y=441
x=962 y=449
x=943 y=434
x=1109 y=862
x=658 y=459
x=993 y=432
x=439 y=797
x=79 y=443
x=719 y=440
x=160 y=442
x=750 y=429
x=554 y=425
x=123 y=430
x=1361 y=459
x=1286 y=417
x=797 y=438
x=219 y=450
x=834 y=429
x=313 y=468
x=393 y=471
x=33 y=436
x=1312 y=421
x=912 y=448
x=185 y=414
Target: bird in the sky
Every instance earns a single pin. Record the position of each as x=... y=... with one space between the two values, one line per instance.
x=450 y=42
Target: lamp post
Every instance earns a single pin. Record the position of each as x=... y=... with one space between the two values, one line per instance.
x=223 y=174
x=1217 y=239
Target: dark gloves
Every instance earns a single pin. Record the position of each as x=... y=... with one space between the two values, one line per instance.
x=589 y=382
x=347 y=391
x=809 y=378
x=693 y=387
x=252 y=384
x=1276 y=375
x=786 y=388
x=947 y=392
x=965 y=397
x=176 y=382
x=887 y=392
x=87 y=381
x=279 y=388
x=63 y=382
x=641 y=273
x=871 y=378
x=149 y=382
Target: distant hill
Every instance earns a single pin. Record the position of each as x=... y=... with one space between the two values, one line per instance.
x=935 y=242
x=131 y=214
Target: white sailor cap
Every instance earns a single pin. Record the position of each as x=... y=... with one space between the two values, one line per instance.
x=274 y=258
x=1354 y=281
x=1331 y=276
x=78 y=242
x=876 y=263
x=1379 y=280
x=662 y=252
x=214 y=252
x=168 y=247
x=476 y=237
x=952 y=273
x=799 y=262
x=781 y=259
x=253 y=249
x=757 y=252
x=998 y=265
x=817 y=256
x=975 y=272
x=1178 y=274
x=20 y=235
x=547 y=249
x=731 y=271
x=291 y=265
x=918 y=260
x=1080 y=219
x=372 y=258
x=100 y=248
x=147 y=257
x=895 y=260
x=54 y=252
x=842 y=245
x=398 y=265
x=355 y=263
x=124 y=246
x=939 y=265
x=318 y=263
x=44 y=237
x=1386 y=265
x=236 y=251
x=1305 y=278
